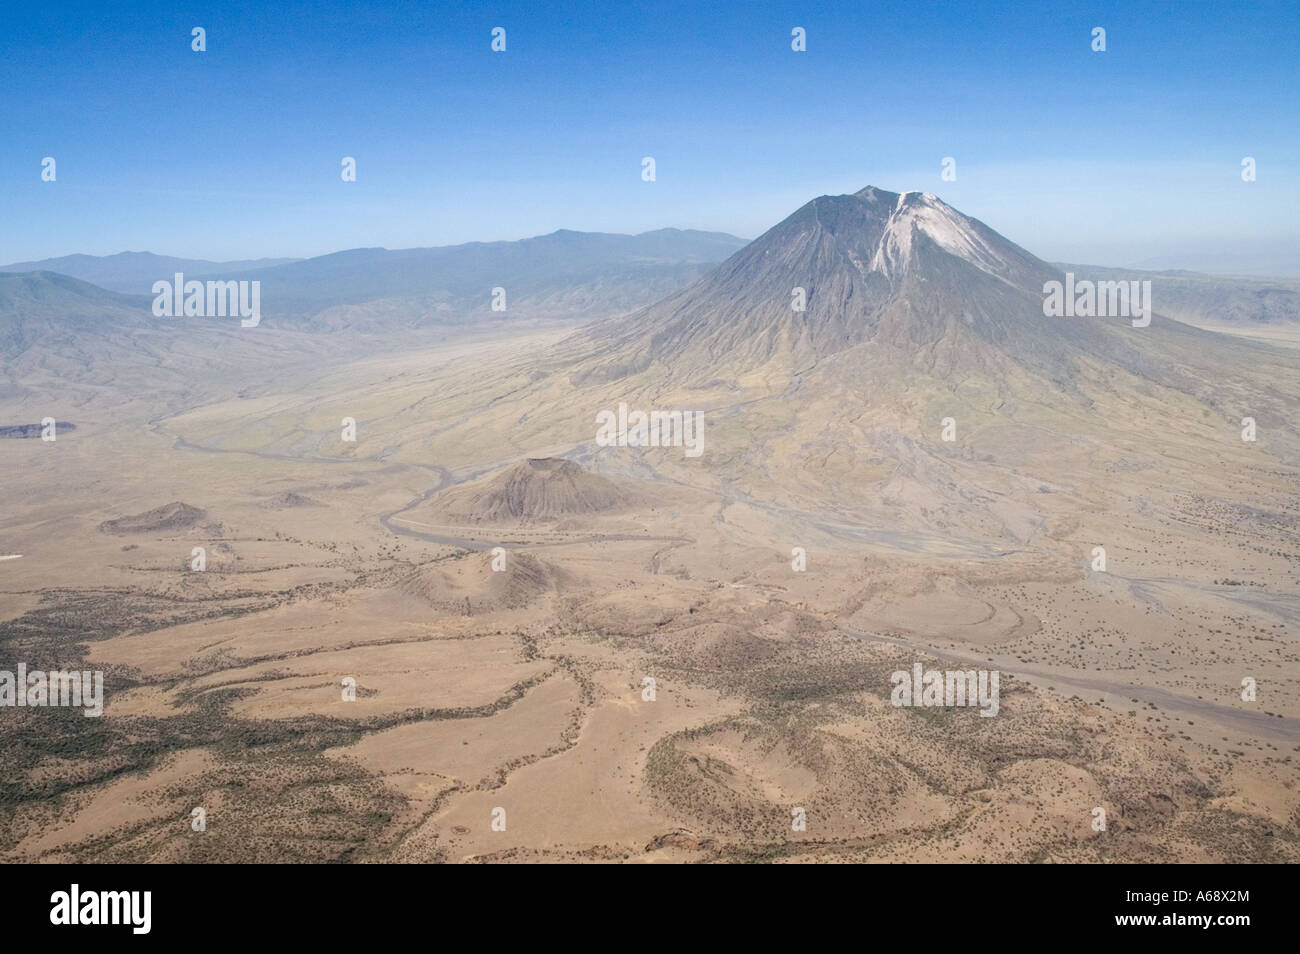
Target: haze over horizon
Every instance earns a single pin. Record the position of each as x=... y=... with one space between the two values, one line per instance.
x=234 y=153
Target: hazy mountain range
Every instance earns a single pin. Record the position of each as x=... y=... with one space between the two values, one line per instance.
x=84 y=332
x=135 y=272
x=564 y=273
x=1205 y=299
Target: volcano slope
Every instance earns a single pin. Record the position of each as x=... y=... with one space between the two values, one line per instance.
x=641 y=654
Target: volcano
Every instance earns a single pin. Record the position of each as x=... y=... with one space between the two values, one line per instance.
x=901 y=270
x=921 y=388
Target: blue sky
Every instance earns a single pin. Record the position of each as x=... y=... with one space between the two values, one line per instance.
x=1119 y=157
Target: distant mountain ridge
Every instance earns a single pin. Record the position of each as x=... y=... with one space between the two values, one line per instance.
x=566 y=272
x=610 y=272
x=1198 y=298
x=33 y=304
x=135 y=272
